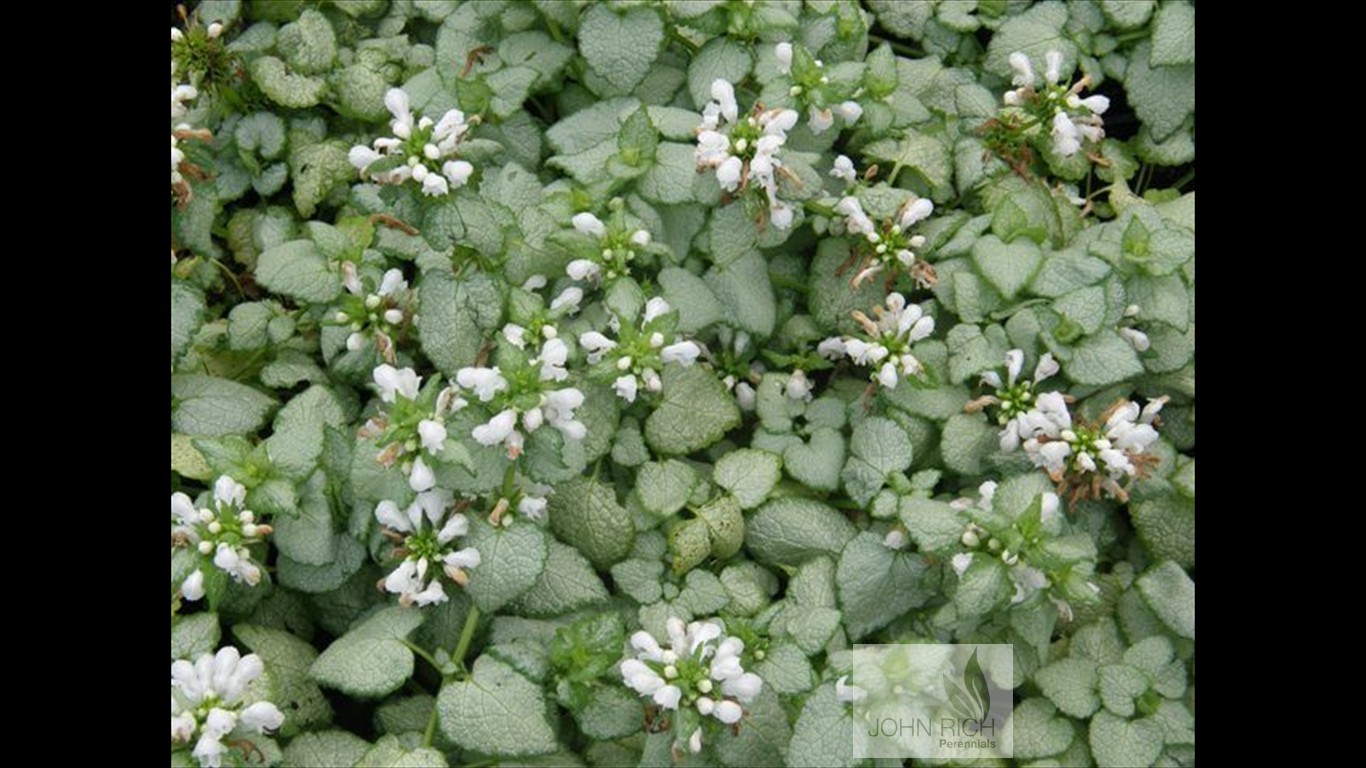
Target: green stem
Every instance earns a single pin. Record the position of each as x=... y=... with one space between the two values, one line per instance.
x=510 y=481
x=682 y=40
x=422 y=653
x=898 y=46
x=430 y=734
x=466 y=635
x=1184 y=180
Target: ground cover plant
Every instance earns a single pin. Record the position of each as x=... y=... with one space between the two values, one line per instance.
x=570 y=383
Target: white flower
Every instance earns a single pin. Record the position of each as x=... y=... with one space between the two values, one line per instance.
x=1136 y=338
x=433 y=435
x=421 y=477
x=1066 y=139
x=559 y=409
x=844 y=170
x=819 y=120
x=895 y=539
x=497 y=429
x=850 y=111
x=486 y=382
x=393 y=381
x=1023 y=71
x=798 y=386
x=917 y=211
x=848 y=693
x=625 y=387
x=597 y=345
x=683 y=353
x=208 y=697
x=554 y=354
x=783 y=52
x=745 y=396
x=568 y=300
x=588 y=224
x=655 y=307
x=1052 y=67
x=960 y=563
x=532 y=507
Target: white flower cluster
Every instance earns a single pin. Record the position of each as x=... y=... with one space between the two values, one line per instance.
x=744 y=152
x=542 y=376
x=618 y=250
x=408 y=425
x=1015 y=397
x=224 y=532
x=889 y=245
x=1100 y=456
x=421 y=150
x=818 y=119
x=1070 y=117
x=887 y=348
x=700 y=668
x=180 y=93
x=380 y=312
x=427 y=531
x=208 y=699
x=638 y=355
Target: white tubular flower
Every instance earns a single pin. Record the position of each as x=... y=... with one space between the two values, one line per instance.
x=960 y=563
x=745 y=396
x=848 y=693
x=723 y=94
x=798 y=386
x=655 y=307
x=425 y=147
x=498 y=429
x=432 y=434
x=596 y=344
x=1052 y=67
x=844 y=170
x=568 y=301
x=819 y=120
x=515 y=335
x=917 y=211
x=559 y=412
x=421 y=477
x=1023 y=71
x=208 y=698
x=486 y=382
x=625 y=387
x=683 y=353
x=532 y=507
x=393 y=381
x=783 y=52
x=1066 y=138
x=895 y=539
x=849 y=111
x=554 y=354
x=588 y=224
x=1136 y=338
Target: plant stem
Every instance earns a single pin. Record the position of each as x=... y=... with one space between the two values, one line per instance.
x=430 y=734
x=466 y=635
x=422 y=653
x=898 y=46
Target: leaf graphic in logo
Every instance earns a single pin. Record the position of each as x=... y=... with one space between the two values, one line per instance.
x=958 y=699
x=976 y=682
